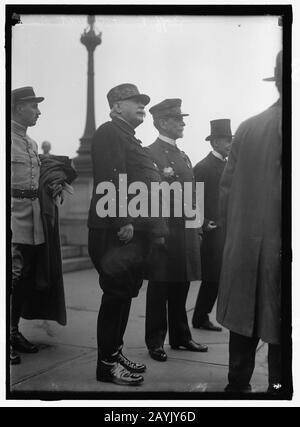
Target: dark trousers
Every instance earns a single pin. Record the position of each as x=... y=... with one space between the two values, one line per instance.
x=163 y=298
x=25 y=262
x=112 y=321
x=242 y=351
x=115 y=306
x=206 y=299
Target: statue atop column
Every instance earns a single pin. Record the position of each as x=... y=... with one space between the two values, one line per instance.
x=90 y=40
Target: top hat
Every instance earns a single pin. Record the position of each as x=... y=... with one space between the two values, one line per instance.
x=219 y=128
x=126 y=91
x=24 y=94
x=277 y=70
x=167 y=108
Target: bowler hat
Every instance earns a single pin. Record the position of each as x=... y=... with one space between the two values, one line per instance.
x=277 y=70
x=219 y=128
x=24 y=94
x=126 y=91
x=167 y=108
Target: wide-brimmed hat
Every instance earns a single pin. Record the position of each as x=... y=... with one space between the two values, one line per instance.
x=126 y=91
x=167 y=108
x=277 y=70
x=219 y=129
x=25 y=94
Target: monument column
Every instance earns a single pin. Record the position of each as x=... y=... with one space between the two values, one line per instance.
x=83 y=161
x=74 y=211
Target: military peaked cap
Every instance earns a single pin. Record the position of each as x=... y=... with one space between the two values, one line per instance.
x=24 y=94
x=167 y=108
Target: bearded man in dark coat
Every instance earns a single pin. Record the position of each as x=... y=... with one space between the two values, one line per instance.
x=249 y=300
x=177 y=263
x=209 y=171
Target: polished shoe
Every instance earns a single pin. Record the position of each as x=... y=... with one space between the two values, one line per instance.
x=134 y=367
x=20 y=343
x=117 y=374
x=15 y=359
x=209 y=326
x=158 y=354
x=191 y=346
x=232 y=388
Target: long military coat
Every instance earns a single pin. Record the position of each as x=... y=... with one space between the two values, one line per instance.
x=209 y=171
x=250 y=204
x=180 y=260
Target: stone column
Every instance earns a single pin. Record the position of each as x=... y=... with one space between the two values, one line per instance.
x=74 y=211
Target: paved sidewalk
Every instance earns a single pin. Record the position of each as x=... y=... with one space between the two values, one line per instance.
x=67 y=357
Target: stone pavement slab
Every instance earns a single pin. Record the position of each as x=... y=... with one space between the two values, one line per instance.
x=67 y=358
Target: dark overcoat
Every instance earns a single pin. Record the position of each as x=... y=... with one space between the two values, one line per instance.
x=209 y=171
x=45 y=298
x=179 y=261
x=249 y=298
x=116 y=151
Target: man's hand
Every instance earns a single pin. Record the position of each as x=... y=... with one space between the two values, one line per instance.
x=126 y=233
x=56 y=190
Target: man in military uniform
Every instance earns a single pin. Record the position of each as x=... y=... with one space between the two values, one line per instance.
x=178 y=263
x=119 y=242
x=209 y=171
x=26 y=222
x=37 y=283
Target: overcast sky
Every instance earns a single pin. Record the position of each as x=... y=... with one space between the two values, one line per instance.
x=214 y=64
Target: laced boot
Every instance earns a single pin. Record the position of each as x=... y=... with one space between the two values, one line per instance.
x=131 y=366
x=114 y=372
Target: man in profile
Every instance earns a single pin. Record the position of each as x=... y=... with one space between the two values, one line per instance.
x=37 y=283
x=177 y=263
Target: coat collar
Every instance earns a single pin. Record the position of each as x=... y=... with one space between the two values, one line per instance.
x=122 y=124
x=217 y=163
x=218 y=156
x=18 y=128
x=167 y=146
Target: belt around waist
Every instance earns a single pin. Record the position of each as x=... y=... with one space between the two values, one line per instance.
x=24 y=194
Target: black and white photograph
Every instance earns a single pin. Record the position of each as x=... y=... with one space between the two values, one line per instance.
x=148 y=203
